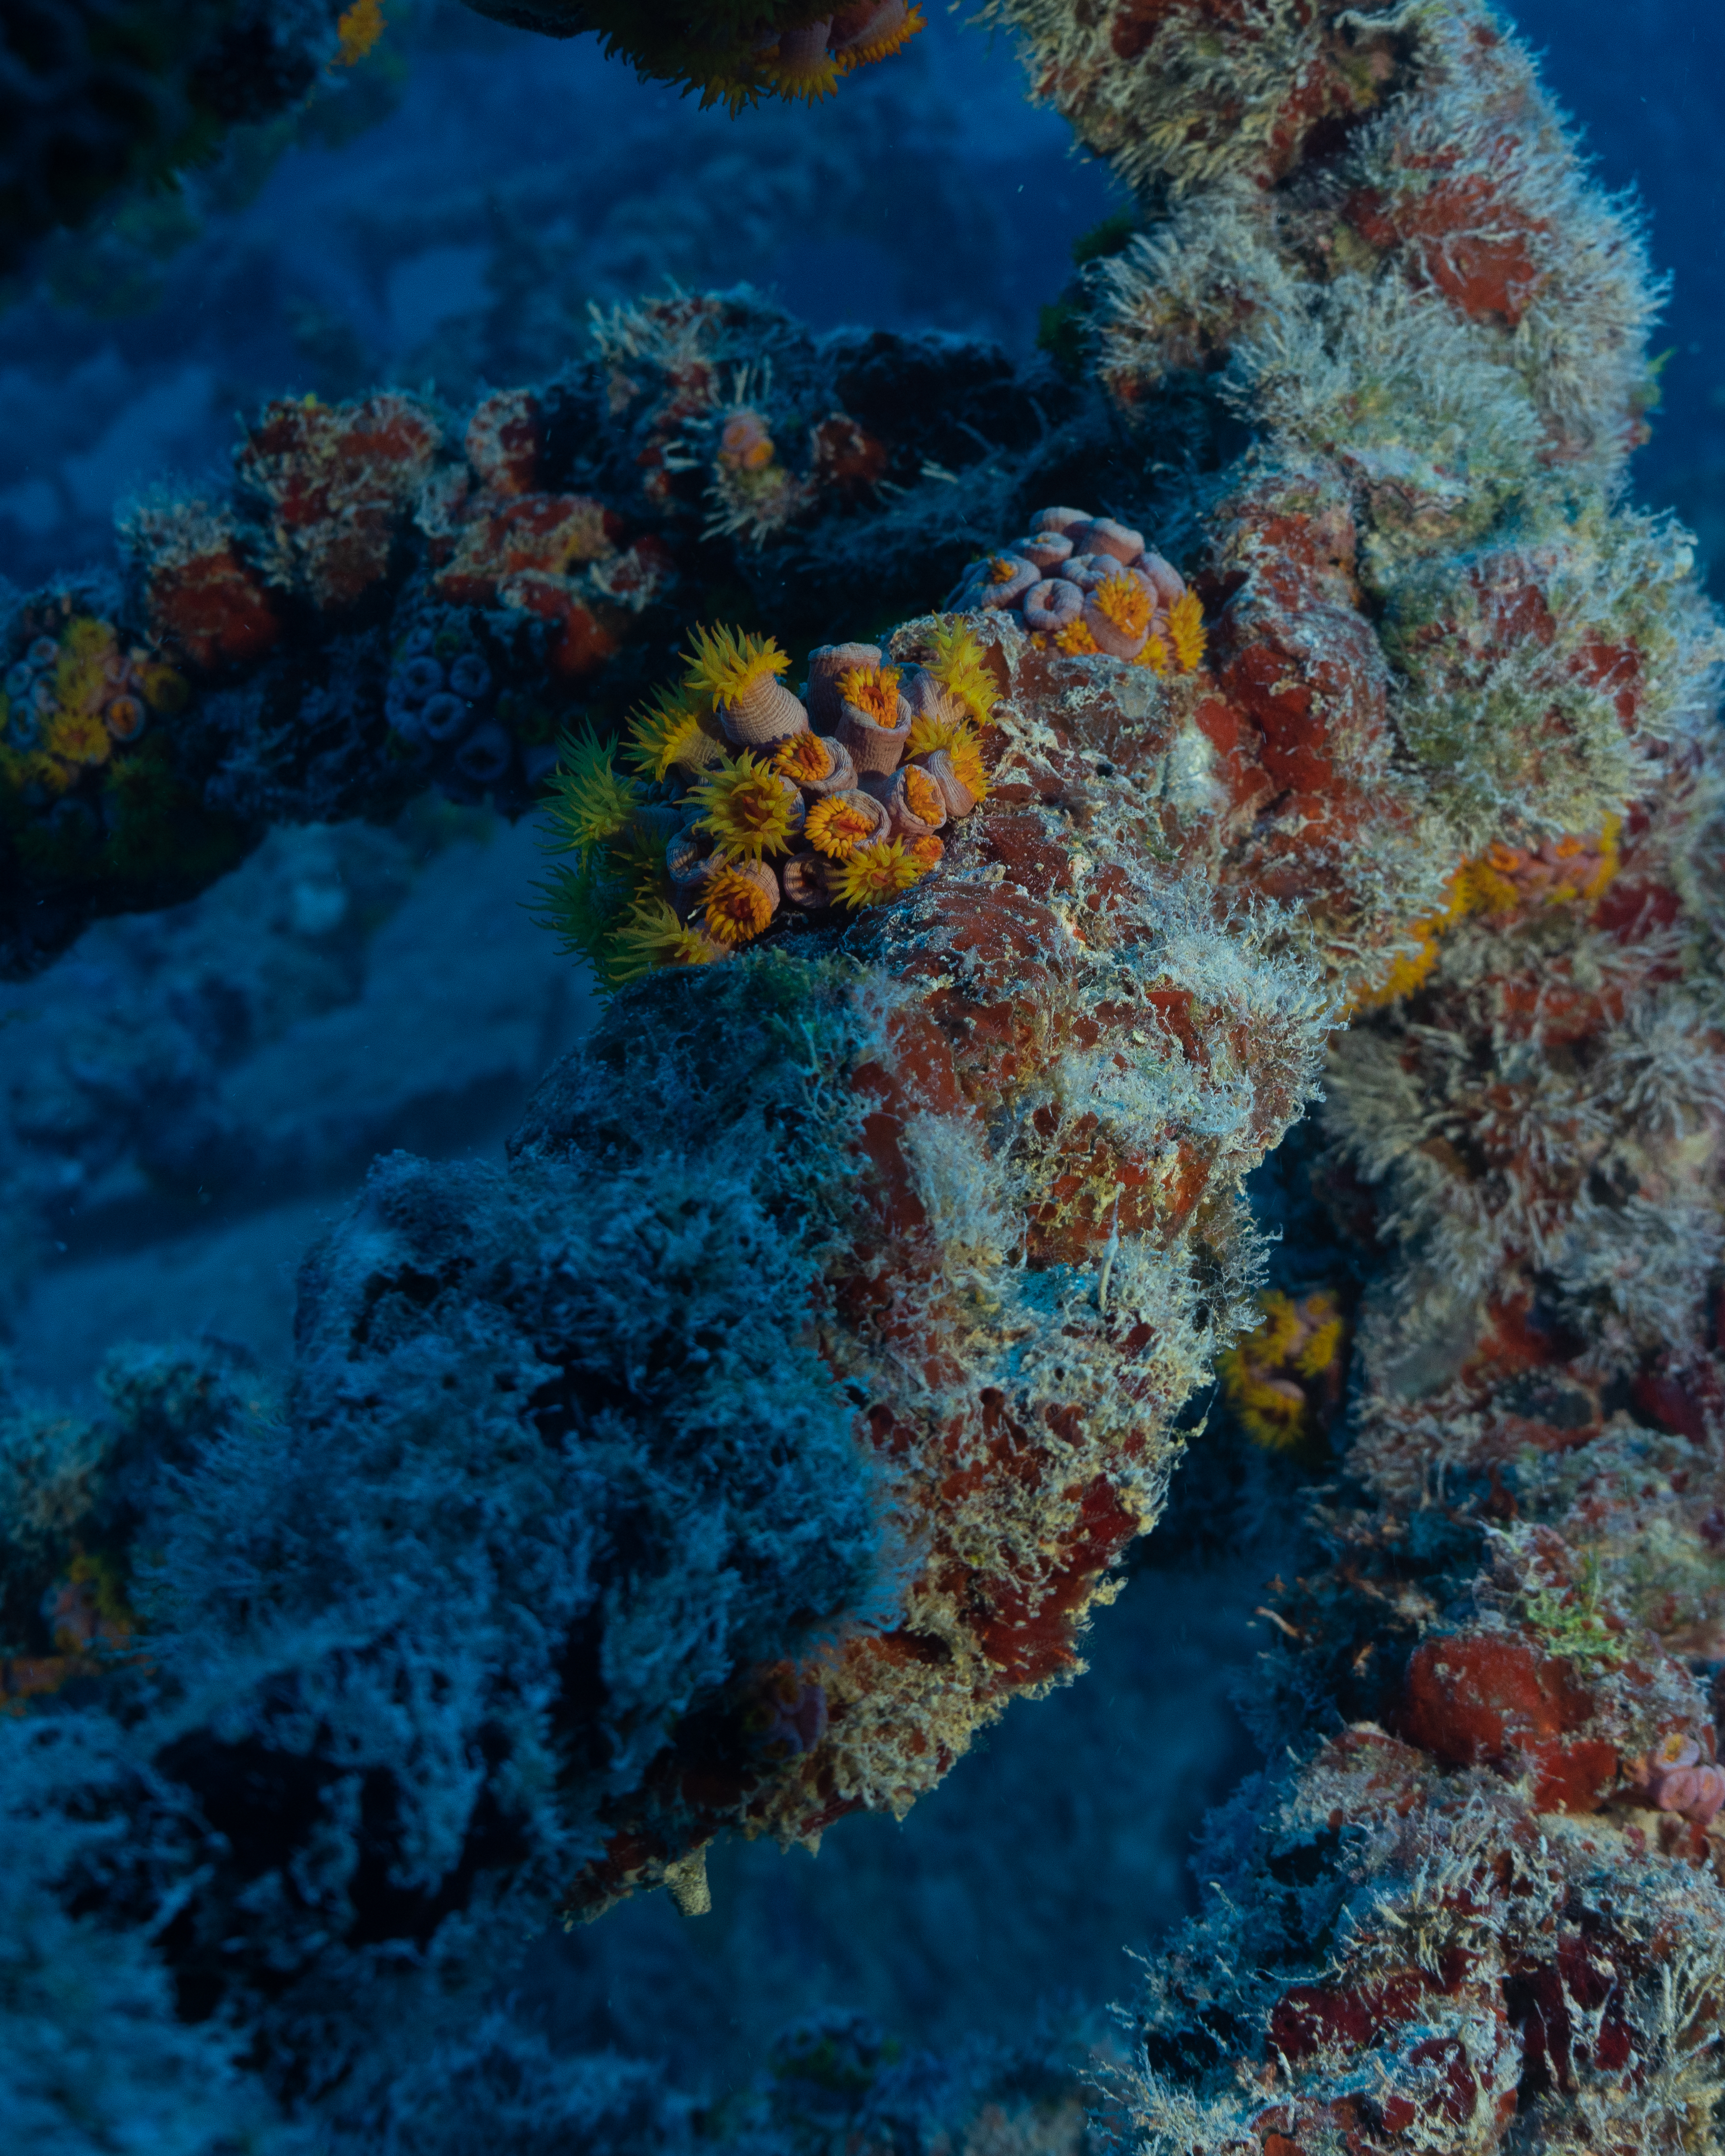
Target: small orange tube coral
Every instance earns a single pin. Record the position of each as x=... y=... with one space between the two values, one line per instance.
x=742 y=898
x=874 y=719
x=873 y=691
x=840 y=825
x=817 y=762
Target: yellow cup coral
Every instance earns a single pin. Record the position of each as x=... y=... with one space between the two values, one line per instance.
x=956 y=662
x=668 y=730
x=959 y=741
x=652 y=937
x=806 y=759
x=1185 y=630
x=875 y=872
x=724 y=663
x=739 y=673
x=1284 y=1379
x=748 y=810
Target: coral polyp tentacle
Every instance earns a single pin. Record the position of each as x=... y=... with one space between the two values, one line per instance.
x=957 y=663
x=589 y=803
x=670 y=731
x=652 y=936
x=724 y=663
x=1185 y=631
x=800 y=66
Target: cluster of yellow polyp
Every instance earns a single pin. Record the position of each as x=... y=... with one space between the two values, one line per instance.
x=750 y=805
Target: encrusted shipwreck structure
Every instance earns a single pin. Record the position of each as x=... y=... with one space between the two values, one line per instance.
x=776 y=1417
x=393 y=597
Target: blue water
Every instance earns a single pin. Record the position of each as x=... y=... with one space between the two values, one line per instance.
x=462 y=237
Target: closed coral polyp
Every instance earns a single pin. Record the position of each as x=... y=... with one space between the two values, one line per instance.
x=738 y=908
x=124 y=718
x=744 y=442
x=925 y=849
x=874 y=873
x=748 y=809
x=923 y=797
x=873 y=691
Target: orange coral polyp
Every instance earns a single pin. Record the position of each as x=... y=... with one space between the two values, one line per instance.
x=1002 y=569
x=874 y=692
x=837 y=829
x=925 y=850
x=1077 y=640
x=358 y=28
x=923 y=797
x=745 y=444
x=962 y=745
x=1126 y=603
x=965 y=756
x=736 y=909
x=805 y=759
x=930 y=732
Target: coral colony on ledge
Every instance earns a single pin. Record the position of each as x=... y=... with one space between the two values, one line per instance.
x=780 y=1415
